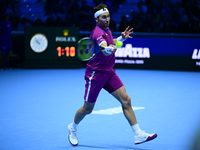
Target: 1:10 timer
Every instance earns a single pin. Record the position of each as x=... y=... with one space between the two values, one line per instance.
x=67 y=51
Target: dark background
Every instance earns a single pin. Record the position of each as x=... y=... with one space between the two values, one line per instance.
x=170 y=28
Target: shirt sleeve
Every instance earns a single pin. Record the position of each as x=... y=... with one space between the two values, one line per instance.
x=99 y=39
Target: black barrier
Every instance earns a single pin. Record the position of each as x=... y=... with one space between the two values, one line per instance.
x=143 y=51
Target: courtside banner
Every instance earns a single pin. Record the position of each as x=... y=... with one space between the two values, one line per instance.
x=173 y=53
x=51 y=47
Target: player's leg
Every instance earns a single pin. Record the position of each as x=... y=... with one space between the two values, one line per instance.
x=140 y=136
x=83 y=111
x=80 y=114
x=121 y=95
x=94 y=84
x=117 y=89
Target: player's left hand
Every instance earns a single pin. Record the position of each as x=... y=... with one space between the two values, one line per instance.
x=127 y=32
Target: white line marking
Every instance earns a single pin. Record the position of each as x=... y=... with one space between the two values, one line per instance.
x=112 y=111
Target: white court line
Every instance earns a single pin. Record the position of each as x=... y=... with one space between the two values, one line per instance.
x=112 y=111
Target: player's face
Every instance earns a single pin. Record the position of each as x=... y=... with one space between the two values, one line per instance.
x=103 y=20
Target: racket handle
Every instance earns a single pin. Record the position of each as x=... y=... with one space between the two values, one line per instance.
x=107 y=49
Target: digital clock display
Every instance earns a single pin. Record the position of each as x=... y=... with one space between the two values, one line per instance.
x=67 y=51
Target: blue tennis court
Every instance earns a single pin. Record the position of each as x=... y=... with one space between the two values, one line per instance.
x=36 y=106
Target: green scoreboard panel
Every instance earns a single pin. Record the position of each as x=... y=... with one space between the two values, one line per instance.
x=51 y=47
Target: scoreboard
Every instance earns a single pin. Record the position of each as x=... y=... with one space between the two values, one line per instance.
x=51 y=47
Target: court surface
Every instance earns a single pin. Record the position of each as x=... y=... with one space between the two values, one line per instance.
x=36 y=106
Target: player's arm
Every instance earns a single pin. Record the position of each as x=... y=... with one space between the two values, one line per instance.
x=114 y=41
x=111 y=51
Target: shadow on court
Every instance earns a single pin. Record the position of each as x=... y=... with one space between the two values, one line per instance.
x=110 y=147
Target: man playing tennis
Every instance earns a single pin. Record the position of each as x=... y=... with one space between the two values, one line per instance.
x=100 y=74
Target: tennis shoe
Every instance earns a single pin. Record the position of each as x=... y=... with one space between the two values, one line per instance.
x=72 y=135
x=144 y=137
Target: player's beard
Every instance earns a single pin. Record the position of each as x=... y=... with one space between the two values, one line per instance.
x=106 y=24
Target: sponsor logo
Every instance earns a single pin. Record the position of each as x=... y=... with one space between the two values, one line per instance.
x=65 y=37
x=133 y=52
x=196 y=54
x=65 y=32
x=128 y=53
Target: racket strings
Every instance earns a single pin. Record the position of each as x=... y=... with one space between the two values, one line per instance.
x=86 y=49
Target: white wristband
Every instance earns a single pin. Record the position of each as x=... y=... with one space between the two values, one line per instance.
x=120 y=39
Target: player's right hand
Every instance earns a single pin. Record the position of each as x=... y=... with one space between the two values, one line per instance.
x=114 y=48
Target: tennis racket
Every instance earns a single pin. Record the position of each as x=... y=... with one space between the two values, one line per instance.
x=87 y=48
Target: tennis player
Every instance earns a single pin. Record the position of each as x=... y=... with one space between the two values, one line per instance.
x=100 y=74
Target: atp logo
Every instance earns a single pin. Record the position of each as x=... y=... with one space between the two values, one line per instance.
x=196 y=54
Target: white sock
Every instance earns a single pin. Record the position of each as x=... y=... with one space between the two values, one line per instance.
x=136 y=129
x=74 y=125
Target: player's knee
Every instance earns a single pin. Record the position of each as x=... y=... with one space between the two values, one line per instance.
x=126 y=102
x=88 y=111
